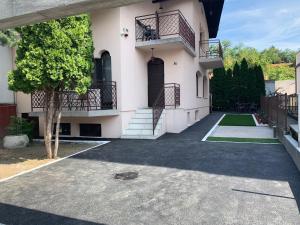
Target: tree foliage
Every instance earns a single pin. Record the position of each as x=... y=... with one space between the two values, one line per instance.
x=267 y=58
x=52 y=57
x=9 y=37
x=243 y=84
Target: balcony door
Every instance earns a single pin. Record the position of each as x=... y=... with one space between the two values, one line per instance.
x=156 y=79
x=103 y=78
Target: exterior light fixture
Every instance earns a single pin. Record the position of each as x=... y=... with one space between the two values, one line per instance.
x=124 y=33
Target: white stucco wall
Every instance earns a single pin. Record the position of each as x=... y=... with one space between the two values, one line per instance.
x=6 y=64
x=129 y=67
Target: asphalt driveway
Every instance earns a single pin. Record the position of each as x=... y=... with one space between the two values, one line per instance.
x=181 y=181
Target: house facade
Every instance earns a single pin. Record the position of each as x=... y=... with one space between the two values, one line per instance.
x=152 y=61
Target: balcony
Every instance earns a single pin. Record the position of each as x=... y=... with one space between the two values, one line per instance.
x=163 y=31
x=100 y=100
x=211 y=54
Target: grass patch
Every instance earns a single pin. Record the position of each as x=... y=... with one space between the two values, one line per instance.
x=241 y=140
x=237 y=120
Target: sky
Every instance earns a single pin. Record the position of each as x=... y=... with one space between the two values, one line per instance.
x=261 y=23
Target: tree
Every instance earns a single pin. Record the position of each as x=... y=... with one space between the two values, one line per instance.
x=269 y=59
x=9 y=37
x=53 y=57
x=243 y=84
x=260 y=80
x=217 y=88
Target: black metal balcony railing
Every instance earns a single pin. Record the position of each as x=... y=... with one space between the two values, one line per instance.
x=100 y=96
x=210 y=49
x=169 y=96
x=164 y=25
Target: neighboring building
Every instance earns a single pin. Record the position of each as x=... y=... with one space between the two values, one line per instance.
x=7 y=100
x=280 y=86
x=152 y=62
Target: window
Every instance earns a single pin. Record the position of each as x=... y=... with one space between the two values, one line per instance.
x=199 y=85
x=205 y=87
x=64 y=129
x=103 y=68
x=90 y=130
x=201 y=39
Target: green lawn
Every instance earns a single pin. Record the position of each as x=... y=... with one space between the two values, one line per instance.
x=251 y=140
x=237 y=120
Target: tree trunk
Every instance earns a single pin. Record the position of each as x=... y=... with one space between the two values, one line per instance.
x=57 y=134
x=48 y=122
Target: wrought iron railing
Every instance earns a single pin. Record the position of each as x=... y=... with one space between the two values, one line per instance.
x=210 y=49
x=169 y=96
x=100 y=96
x=164 y=25
x=292 y=105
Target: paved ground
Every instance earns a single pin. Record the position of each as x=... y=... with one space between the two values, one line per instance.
x=243 y=132
x=181 y=181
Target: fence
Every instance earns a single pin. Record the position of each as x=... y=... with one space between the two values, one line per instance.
x=276 y=109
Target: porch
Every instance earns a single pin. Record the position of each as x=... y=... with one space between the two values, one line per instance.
x=211 y=54
x=100 y=100
x=164 y=30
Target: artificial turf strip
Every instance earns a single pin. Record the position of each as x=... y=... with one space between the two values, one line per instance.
x=248 y=140
x=237 y=120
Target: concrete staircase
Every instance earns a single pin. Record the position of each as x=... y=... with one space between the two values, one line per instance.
x=141 y=126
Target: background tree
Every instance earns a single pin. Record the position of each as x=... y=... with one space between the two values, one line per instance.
x=217 y=88
x=243 y=84
x=277 y=64
x=9 y=37
x=51 y=57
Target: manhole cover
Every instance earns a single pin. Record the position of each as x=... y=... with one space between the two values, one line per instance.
x=126 y=175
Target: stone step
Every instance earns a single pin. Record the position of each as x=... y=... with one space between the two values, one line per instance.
x=143 y=116
x=142 y=120
x=142 y=126
x=144 y=111
x=149 y=137
x=139 y=132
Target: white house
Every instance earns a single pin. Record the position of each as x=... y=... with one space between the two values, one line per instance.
x=152 y=62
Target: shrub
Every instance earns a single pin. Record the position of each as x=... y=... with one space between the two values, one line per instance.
x=19 y=126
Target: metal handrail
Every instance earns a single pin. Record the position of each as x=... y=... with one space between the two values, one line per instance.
x=169 y=95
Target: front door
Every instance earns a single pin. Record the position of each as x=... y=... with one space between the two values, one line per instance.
x=156 y=79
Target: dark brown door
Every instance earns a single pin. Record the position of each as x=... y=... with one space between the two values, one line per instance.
x=156 y=79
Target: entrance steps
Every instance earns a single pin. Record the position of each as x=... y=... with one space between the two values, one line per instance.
x=141 y=126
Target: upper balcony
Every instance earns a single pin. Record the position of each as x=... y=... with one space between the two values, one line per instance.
x=211 y=54
x=100 y=100
x=164 y=30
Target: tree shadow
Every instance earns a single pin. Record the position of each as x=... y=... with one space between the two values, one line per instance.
x=10 y=214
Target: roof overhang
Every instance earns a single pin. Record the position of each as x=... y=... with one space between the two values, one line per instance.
x=213 y=11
